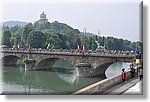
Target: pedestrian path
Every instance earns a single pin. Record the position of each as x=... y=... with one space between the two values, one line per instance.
x=135 y=90
x=121 y=88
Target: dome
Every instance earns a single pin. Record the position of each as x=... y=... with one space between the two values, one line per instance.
x=42 y=16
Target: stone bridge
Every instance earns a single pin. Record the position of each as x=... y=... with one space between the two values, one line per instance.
x=86 y=65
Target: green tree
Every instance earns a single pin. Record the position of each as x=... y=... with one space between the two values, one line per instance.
x=127 y=44
x=92 y=43
x=52 y=40
x=36 y=39
x=109 y=44
x=15 y=40
x=15 y=29
x=70 y=37
x=133 y=46
x=27 y=30
x=77 y=41
x=6 y=38
x=118 y=44
x=85 y=42
x=63 y=41
x=139 y=45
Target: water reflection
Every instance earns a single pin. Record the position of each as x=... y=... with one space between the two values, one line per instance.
x=60 y=81
x=68 y=76
x=116 y=68
x=19 y=81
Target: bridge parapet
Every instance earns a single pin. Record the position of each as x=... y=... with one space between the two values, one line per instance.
x=68 y=53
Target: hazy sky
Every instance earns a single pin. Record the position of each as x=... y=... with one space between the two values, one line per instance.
x=116 y=18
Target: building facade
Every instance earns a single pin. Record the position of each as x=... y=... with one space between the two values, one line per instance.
x=42 y=19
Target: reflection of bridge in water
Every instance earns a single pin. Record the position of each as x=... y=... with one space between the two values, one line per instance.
x=37 y=79
x=86 y=65
x=43 y=82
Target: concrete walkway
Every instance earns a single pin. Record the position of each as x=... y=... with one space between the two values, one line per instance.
x=135 y=90
x=123 y=87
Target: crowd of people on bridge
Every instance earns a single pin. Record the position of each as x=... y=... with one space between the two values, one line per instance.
x=82 y=51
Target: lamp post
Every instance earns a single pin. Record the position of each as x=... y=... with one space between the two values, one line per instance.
x=103 y=41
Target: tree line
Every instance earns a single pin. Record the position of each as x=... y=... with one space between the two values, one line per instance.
x=57 y=35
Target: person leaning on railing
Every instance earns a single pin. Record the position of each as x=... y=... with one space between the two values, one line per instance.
x=132 y=70
x=123 y=75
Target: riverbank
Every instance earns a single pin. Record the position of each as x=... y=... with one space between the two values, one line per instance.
x=112 y=85
x=123 y=88
x=135 y=90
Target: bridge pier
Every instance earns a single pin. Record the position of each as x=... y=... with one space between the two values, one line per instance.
x=84 y=70
x=87 y=70
x=30 y=65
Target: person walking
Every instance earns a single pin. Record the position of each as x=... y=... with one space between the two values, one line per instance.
x=141 y=73
x=132 y=70
x=83 y=50
x=123 y=75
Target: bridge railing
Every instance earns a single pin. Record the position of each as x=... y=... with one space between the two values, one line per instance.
x=71 y=52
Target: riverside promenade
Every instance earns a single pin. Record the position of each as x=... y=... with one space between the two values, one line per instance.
x=135 y=90
x=130 y=87
x=113 y=86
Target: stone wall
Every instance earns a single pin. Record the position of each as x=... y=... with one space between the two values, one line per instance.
x=102 y=85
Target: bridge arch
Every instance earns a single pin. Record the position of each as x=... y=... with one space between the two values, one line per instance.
x=100 y=70
x=53 y=62
x=10 y=60
x=46 y=64
x=97 y=67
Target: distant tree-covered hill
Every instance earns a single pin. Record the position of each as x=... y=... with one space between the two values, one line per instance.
x=60 y=36
x=57 y=27
x=14 y=23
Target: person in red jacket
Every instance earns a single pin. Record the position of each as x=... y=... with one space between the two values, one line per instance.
x=83 y=50
x=123 y=75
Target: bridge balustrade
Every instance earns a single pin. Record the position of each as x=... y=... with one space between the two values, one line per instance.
x=73 y=52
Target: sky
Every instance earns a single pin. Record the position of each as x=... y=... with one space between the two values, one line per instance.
x=117 y=18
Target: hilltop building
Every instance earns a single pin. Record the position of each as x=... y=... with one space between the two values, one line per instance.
x=42 y=19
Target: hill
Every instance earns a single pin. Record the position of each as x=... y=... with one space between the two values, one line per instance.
x=57 y=27
x=14 y=23
x=56 y=35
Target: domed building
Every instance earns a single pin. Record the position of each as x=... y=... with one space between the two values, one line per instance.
x=42 y=19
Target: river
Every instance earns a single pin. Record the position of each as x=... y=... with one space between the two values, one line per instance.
x=16 y=80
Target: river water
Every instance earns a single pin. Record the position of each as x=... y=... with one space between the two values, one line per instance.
x=16 y=80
